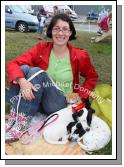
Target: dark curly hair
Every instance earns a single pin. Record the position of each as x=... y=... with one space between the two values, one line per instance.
x=65 y=18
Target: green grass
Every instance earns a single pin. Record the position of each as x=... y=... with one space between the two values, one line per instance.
x=100 y=53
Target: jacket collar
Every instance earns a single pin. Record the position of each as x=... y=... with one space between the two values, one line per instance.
x=47 y=51
x=71 y=51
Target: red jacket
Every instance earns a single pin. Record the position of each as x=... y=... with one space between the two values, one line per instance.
x=38 y=56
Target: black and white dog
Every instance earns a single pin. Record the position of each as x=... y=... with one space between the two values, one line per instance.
x=96 y=138
x=90 y=132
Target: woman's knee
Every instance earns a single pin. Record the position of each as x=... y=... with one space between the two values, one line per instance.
x=27 y=70
x=33 y=70
x=30 y=71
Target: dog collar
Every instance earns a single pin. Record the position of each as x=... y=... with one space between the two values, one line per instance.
x=78 y=107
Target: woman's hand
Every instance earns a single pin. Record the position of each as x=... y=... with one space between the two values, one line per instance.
x=26 y=88
x=73 y=98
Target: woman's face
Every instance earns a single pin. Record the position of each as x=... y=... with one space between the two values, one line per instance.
x=61 y=33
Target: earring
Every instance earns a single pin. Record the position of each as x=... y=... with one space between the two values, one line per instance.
x=70 y=33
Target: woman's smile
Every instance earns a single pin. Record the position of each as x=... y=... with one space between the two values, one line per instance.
x=60 y=38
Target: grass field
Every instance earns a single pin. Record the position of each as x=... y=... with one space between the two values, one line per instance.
x=100 y=53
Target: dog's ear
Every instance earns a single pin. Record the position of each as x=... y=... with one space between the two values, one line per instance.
x=87 y=103
x=89 y=116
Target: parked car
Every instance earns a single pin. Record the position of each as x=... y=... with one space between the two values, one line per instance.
x=92 y=16
x=17 y=18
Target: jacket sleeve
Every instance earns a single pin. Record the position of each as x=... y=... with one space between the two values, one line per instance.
x=13 y=67
x=86 y=70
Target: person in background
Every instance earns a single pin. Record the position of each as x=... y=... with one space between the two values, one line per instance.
x=102 y=21
x=59 y=65
x=38 y=18
x=41 y=18
x=56 y=10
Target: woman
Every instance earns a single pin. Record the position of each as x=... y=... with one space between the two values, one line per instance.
x=62 y=64
x=56 y=10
